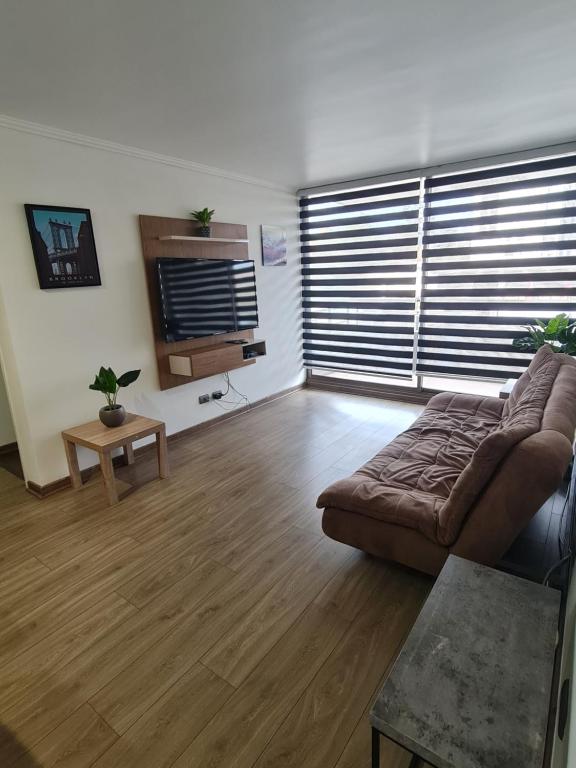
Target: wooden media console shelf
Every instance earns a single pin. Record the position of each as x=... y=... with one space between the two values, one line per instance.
x=182 y=361
x=219 y=358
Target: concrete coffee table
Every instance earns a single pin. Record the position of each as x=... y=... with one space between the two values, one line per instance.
x=471 y=687
x=104 y=440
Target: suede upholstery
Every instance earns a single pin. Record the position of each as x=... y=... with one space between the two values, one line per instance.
x=465 y=477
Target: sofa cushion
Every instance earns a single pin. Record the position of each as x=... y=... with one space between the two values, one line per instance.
x=409 y=481
x=522 y=419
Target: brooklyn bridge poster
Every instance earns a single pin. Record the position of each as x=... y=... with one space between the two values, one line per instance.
x=63 y=246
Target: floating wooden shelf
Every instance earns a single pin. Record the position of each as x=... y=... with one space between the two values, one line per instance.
x=199 y=362
x=203 y=240
x=207 y=361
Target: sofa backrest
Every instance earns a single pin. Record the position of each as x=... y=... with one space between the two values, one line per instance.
x=542 y=356
x=560 y=410
x=542 y=399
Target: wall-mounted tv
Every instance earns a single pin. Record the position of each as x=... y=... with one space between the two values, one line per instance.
x=204 y=297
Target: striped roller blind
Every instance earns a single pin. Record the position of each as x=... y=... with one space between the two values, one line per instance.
x=359 y=265
x=499 y=251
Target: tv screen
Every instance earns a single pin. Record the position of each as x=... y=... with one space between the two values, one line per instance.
x=204 y=297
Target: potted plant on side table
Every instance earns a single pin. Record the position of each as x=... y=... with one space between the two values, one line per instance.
x=106 y=381
x=203 y=217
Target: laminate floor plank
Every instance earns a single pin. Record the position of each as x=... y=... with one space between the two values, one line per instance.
x=21 y=576
x=55 y=696
x=353 y=585
x=205 y=621
x=164 y=731
x=318 y=728
x=139 y=685
x=239 y=650
x=240 y=731
x=76 y=743
x=149 y=583
x=58 y=649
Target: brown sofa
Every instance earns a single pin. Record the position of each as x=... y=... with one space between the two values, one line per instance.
x=466 y=477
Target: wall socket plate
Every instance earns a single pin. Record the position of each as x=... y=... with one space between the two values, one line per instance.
x=204 y=399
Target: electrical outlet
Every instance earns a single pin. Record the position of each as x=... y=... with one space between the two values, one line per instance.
x=217 y=395
x=204 y=399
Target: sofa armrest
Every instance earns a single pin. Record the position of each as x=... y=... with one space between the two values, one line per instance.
x=369 y=497
x=528 y=476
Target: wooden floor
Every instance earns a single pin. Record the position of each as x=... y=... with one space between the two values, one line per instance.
x=10 y=460
x=205 y=620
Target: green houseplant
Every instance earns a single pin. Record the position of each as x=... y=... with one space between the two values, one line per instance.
x=559 y=333
x=203 y=217
x=106 y=381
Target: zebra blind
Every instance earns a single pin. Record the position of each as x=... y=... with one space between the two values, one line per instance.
x=499 y=251
x=359 y=265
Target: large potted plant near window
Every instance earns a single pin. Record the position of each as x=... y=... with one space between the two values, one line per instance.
x=203 y=217
x=559 y=333
x=106 y=381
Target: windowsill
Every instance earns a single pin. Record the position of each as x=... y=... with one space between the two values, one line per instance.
x=419 y=389
x=483 y=387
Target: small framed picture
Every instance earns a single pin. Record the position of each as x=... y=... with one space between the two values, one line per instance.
x=63 y=246
x=273 y=246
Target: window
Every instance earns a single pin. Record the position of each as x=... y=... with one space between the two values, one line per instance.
x=499 y=251
x=359 y=266
x=437 y=275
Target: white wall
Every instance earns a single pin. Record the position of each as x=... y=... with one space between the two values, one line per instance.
x=52 y=342
x=7 y=434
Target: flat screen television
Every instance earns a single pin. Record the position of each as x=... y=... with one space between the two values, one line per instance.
x=205 y=297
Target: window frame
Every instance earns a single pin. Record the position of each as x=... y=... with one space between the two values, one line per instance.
x=478 y=164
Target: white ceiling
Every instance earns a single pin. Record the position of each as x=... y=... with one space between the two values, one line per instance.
x=297 y=92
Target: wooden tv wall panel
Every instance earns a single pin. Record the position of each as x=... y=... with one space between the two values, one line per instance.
x=214 y=355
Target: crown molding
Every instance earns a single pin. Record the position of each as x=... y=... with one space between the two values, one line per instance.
x=59 y=134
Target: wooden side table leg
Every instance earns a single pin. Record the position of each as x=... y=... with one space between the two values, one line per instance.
x=162 y=450
x=129 y=453
x=73 y=466
x=108 y=475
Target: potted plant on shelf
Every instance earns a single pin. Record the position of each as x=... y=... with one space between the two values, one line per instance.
x=106 y=381
x=559 y=333
x=203 y=217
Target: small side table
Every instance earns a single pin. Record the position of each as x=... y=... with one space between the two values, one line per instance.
x=104 y=440
x=472 y=684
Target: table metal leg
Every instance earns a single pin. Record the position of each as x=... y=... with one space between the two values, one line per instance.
x=375 y=748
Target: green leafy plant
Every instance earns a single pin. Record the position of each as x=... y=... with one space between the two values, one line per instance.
x=204 y=216
x=559 y=333
x=109 y=384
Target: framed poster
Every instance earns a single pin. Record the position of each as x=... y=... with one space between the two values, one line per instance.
x=63 y=246
x=273 y=246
